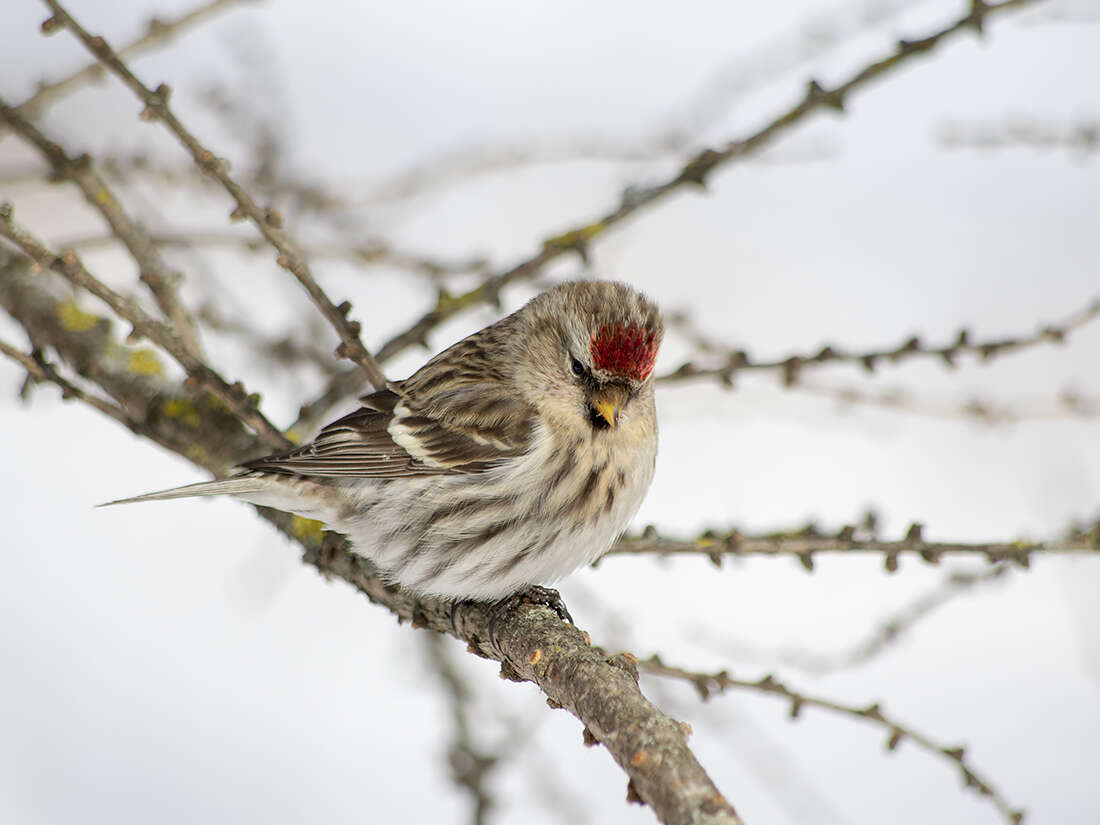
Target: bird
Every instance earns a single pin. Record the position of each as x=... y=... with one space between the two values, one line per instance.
x=506 y=462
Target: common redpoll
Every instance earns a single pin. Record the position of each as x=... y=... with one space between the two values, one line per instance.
x=508 y=460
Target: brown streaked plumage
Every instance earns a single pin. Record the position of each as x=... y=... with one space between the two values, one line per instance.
x=508 y=460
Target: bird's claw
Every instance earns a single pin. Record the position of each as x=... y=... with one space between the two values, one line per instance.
x=455 y=605
x=535 y=594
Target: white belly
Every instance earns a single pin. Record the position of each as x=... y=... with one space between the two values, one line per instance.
x=485 y=536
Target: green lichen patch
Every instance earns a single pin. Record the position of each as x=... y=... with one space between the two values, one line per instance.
x=74 y=319
x=144 y=362
x=309 y=531
x=183 y=409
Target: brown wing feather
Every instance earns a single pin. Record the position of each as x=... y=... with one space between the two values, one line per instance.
x=358 y=444
x=457 y=414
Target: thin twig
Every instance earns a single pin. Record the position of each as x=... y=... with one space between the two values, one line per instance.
x=805 y=543
x=304 y=195
x=157 y=33
x=710 y=683
x=791 y=367
x=154 y=271
x=267 y=221
x=234 y=396
x=457 y=165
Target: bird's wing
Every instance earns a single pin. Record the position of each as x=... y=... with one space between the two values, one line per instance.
x=463 y=429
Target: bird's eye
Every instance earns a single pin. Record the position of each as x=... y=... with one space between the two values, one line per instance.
x=578 y=368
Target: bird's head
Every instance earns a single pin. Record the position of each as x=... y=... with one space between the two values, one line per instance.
x=587 y=350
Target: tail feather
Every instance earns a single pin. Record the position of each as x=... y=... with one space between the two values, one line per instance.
x=228 y=486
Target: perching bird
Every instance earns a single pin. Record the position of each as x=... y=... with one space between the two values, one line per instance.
x=508 y=460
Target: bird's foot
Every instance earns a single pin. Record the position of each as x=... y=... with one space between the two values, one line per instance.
x=535 y=594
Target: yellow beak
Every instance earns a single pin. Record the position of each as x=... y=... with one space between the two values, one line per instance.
x=607 y=402
x=608 y=410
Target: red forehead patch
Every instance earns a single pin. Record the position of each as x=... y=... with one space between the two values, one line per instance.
x=627 y=351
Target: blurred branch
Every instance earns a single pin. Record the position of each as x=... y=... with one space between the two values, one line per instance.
x=459 y=165
x=455 y=166
x=304 y=195
x=791 y=367
x=254 y=116
x=235 y=397
x=889 y=630
x=154 y=271
x=370 y=253
x=470 y=767
x=1082 y=137
x=283 y=350
x=462 y=164
x=267 y=221
x=807 y=542
x=157 y=33
x=708 y=684
x=447 y=169
x=1085 y=13
x=1069 y=403
x=693 y=174
x=39 y=370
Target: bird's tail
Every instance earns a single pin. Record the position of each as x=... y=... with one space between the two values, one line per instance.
x=229 y=486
